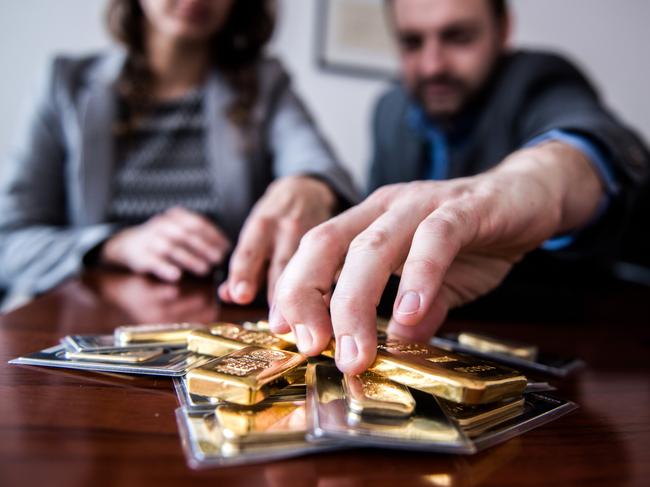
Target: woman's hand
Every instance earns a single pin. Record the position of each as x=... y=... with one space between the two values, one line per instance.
x=289 y=208
x=167 y=245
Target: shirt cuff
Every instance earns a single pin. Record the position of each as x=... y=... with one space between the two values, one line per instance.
x=600 y=163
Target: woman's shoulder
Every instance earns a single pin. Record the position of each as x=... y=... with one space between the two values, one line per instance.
x=70 y=72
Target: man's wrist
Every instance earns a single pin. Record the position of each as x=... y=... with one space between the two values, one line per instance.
x=570 y=182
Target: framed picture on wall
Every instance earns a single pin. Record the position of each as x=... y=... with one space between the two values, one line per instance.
x=353 y=37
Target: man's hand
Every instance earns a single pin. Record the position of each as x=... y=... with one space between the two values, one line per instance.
x=168 y=245
x=288 y=209
x=452 y=241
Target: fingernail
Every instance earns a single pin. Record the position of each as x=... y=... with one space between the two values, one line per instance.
x=274 y=322
x=409 y=304
x=272 y=318
x=303 y=337
x=242 y=290
x=347 y=348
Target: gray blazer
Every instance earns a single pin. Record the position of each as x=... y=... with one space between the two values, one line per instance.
x=57 y=182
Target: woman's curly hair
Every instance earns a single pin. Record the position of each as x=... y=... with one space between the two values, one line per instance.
x=238 y=46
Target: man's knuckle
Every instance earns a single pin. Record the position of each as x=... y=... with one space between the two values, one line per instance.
x=384 y=195
x=423 y=265
x=347 y=304
x=286 y=297
x=372 y=240
x=440 y=226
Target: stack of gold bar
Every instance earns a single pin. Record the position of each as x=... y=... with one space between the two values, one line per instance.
x=248 y=396
x=414 y=396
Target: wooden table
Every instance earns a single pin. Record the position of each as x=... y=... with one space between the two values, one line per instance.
x=76 y=428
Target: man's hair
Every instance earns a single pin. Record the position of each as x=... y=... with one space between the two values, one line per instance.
x=499 y=8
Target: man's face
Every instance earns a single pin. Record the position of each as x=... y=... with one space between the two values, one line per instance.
x=447 y=50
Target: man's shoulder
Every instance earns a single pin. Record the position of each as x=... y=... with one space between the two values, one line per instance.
x=390 y=108
x=394 y=98
x=530 y=65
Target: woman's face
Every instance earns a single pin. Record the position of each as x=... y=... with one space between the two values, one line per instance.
x=186 y=20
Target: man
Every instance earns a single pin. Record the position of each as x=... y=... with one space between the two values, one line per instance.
x=530 y=159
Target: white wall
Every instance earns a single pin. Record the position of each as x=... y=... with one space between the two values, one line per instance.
x=31 y=31
x=609 y=37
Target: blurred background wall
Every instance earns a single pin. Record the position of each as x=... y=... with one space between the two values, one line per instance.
x=609 y=39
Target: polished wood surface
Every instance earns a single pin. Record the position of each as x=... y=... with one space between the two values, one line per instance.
x=78 y=428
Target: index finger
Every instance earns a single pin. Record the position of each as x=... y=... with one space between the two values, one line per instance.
x=372 y=257
x=310 y=274
x=249 y=258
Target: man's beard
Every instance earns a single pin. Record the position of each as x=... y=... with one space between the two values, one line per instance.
x=442 y=96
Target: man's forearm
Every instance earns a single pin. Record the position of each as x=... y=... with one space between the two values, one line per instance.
x=566 y=174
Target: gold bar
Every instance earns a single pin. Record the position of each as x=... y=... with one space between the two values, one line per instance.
x=224 y=338
x=457 y=378
x=245 y=376
x=260 y=325
x=371 y=394
x=487 y=344
x=130 y=357
x=326 y=400
x=262 y=423
x=171 y=333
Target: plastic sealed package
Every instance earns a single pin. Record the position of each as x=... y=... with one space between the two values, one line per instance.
x=492 y=348
x=171 y=363
x=155 y=332
x=436 y=425
x=328 y=416
x=205 y=445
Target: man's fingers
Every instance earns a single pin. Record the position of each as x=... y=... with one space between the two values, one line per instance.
x=372 y=256
x=436 y=243
x=433 y=319
x=309 y=276
x=311 y=328
x=277 y=323
x=249 y=259
x=298 y=298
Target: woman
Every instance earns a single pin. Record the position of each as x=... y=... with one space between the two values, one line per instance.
x=151 y=158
